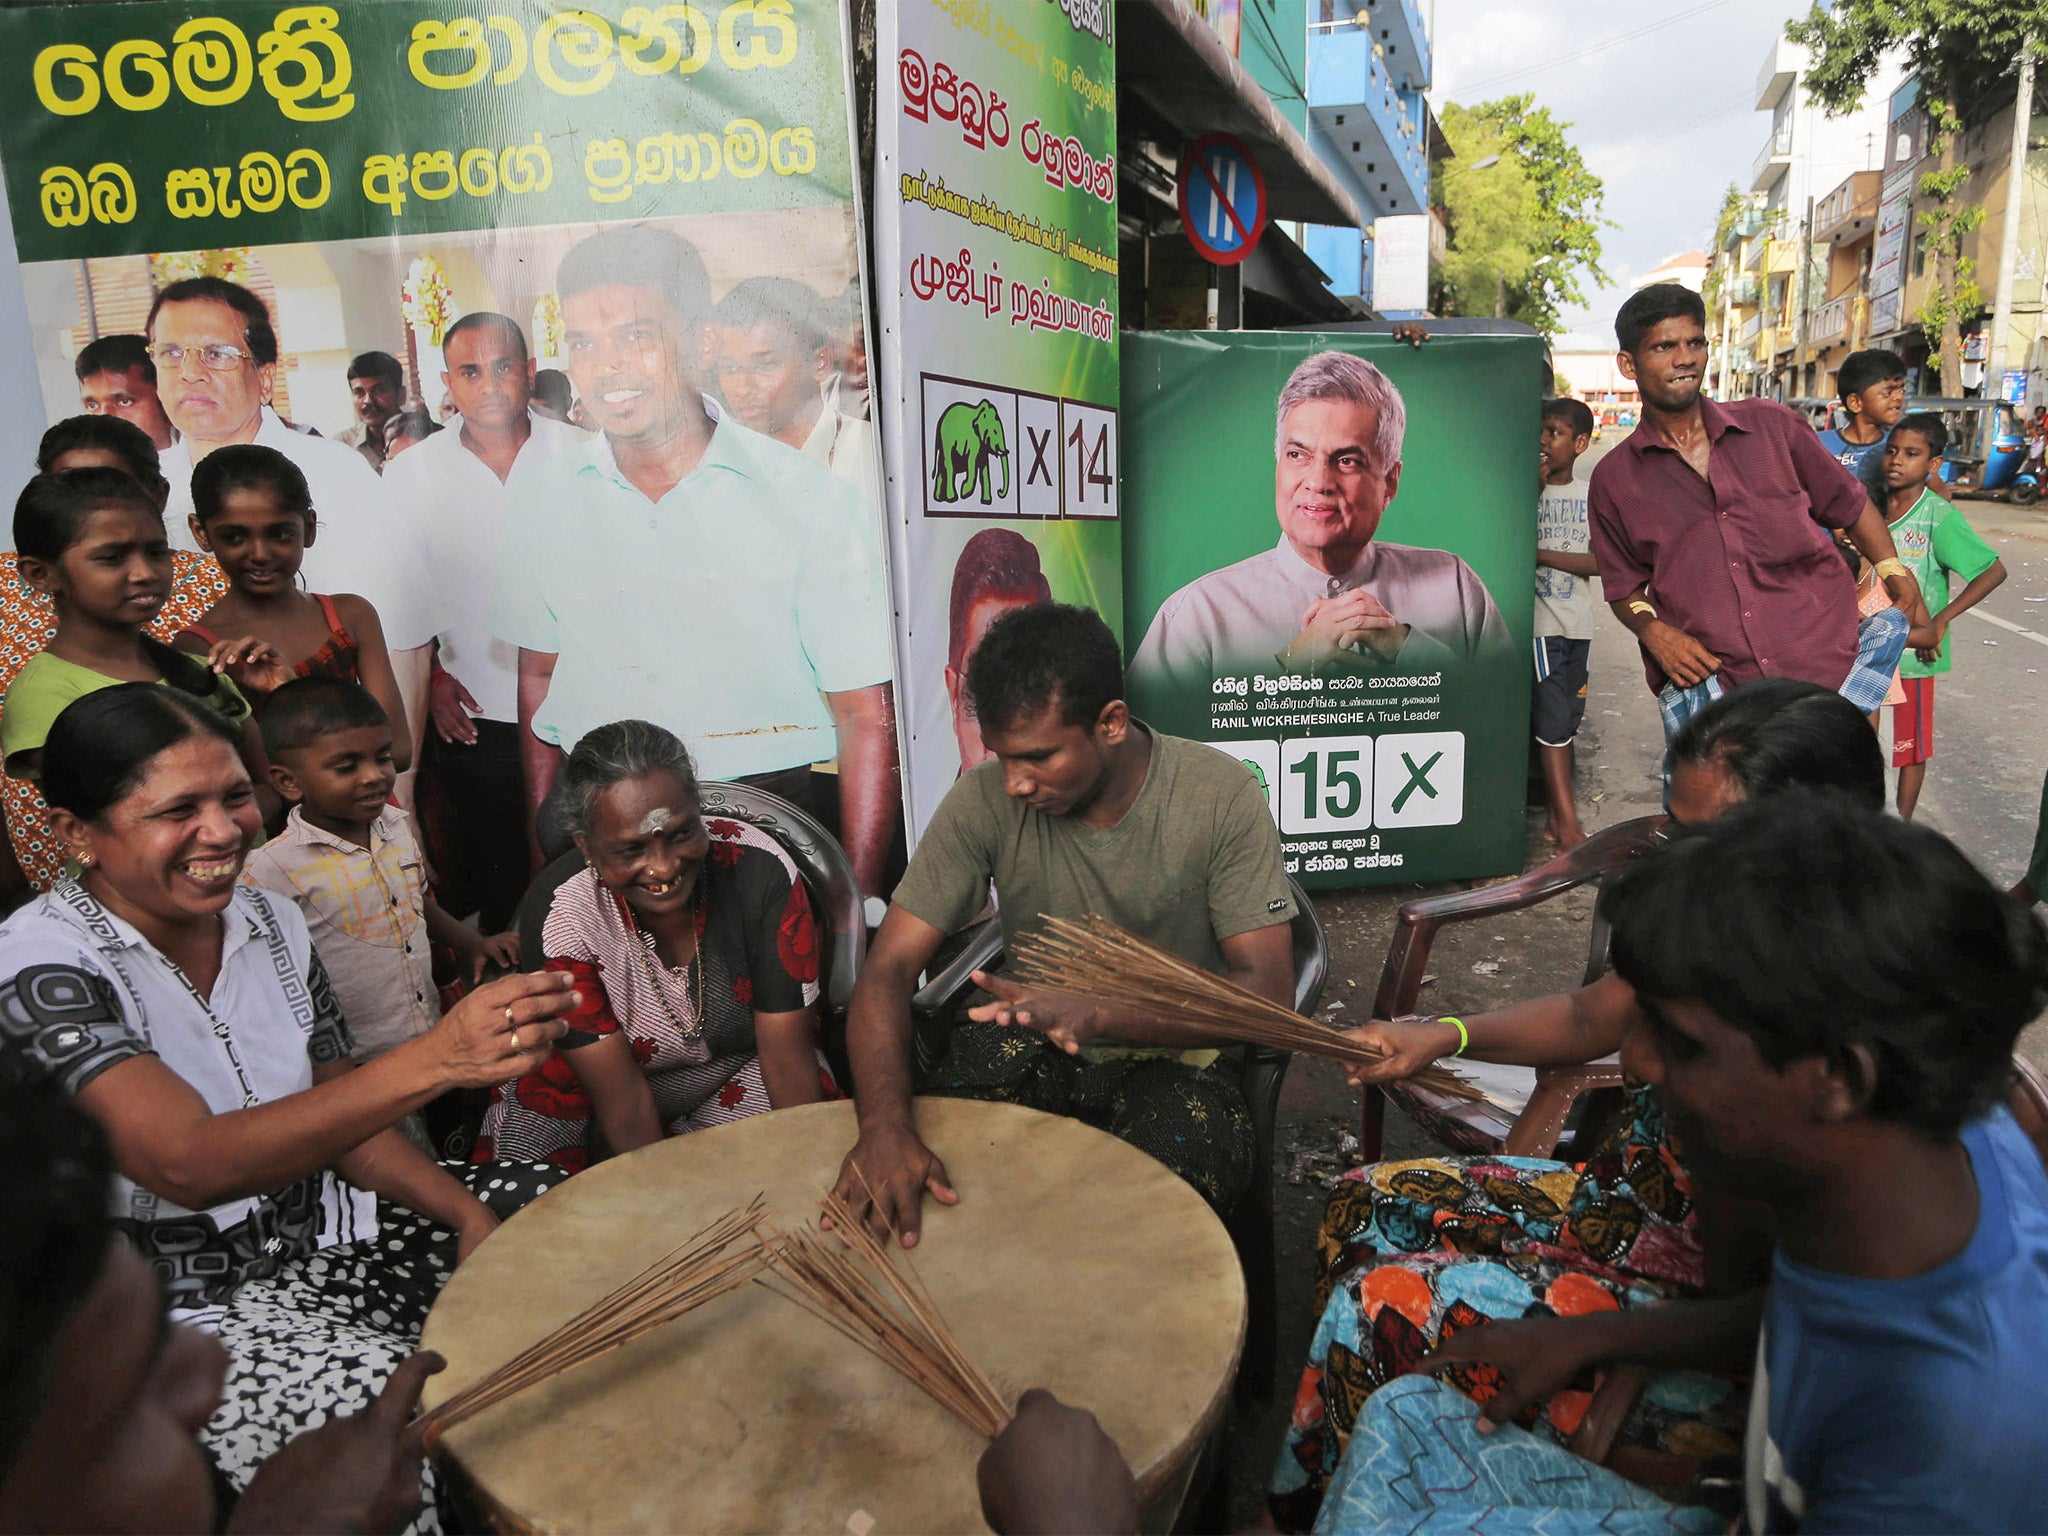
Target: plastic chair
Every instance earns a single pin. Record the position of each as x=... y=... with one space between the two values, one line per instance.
x=935 y=1005
x=1482 y=1128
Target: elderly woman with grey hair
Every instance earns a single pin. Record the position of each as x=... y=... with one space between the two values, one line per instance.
x=693 y=948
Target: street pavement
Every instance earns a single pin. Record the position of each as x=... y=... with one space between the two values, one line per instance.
x=1983 y=790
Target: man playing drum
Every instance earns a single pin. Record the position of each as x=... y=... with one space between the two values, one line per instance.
x=1082 y=810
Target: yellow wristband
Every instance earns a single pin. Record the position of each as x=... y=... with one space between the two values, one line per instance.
x=1464 y=1035
x=1637 y=605
x=1892 y=567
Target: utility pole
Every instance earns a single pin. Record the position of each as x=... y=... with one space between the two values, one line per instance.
x=1805 y=297
x=2009 y=240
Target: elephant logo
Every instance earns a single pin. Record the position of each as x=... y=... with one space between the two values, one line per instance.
x=968 y=437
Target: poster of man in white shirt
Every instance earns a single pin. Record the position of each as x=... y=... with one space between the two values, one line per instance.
x=1328 y=598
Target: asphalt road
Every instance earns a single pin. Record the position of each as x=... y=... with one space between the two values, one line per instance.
x=1990 y=734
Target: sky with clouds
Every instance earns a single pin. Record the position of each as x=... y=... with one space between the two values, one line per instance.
x=1665 y=117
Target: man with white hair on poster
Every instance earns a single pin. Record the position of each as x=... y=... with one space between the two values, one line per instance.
x=1328 y=598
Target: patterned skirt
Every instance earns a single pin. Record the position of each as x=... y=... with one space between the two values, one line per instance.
x=319 y=1338
x=1413 y=1252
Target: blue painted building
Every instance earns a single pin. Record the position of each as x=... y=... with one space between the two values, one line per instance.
x=1368 y=67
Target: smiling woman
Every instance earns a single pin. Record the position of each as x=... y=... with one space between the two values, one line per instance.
x=188 y=1014
x=692 y=945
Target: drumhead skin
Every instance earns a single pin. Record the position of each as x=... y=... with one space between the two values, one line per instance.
x=1072 y=1262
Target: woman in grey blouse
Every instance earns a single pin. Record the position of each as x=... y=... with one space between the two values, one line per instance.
x=259 y=1171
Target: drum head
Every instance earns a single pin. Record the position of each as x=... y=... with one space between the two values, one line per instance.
x=1073 y=1262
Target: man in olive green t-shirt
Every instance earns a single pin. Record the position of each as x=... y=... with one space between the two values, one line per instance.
x=1082 y=810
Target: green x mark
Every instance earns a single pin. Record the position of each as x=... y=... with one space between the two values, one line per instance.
x=1418 y=778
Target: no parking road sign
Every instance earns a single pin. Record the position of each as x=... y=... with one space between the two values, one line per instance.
x=1222 y=198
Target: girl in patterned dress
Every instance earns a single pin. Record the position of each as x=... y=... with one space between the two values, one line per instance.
x=1413 y=1252
x=692 y=945
x=252 y=511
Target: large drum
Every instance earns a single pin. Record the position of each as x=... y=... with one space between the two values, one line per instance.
x=1072 y=1262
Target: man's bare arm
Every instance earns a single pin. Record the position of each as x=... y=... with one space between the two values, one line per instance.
x=887 y=1174
x=1684 y=660
x=1872 y=536
x=870 y=795
x=540 y=760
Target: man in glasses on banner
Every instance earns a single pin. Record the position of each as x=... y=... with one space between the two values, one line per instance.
x=215 y=352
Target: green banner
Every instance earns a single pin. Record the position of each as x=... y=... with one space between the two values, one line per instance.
x=1358 y=636
x=155 y=127
x=997 y=279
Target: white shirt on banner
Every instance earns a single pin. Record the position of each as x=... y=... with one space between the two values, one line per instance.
x=455 y=505
x=359 y=545
x=1243 y=616
x=846 y=446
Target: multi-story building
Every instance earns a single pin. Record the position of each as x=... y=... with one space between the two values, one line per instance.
x=1904 y=274
x=1368 y=67
x=1844 y=234
x=1735 y=321
x=1806 y=155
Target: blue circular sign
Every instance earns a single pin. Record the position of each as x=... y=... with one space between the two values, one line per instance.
x=1222 y=198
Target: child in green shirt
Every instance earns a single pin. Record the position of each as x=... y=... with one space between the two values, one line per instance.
x=92 y=541
x=1936 y=545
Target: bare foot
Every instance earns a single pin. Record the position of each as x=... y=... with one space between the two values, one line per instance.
x=1565 y=838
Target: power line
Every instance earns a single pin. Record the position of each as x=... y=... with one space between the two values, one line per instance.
x=1590 y=49
x=1631 y=151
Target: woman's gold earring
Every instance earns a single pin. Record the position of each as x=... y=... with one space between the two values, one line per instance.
x=85 y=859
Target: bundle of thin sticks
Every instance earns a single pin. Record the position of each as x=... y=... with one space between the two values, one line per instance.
x=850 y=1279
x=1095 y=959
x=686 y=1277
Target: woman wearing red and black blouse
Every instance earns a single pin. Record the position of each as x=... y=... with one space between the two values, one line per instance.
x=694 y=950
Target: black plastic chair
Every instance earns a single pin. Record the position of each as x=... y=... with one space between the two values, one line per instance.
x=827 y=874
x=936 y=1005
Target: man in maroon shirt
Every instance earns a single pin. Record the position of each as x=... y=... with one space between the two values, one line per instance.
x=1710 y=521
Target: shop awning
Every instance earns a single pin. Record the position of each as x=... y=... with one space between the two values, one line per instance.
x=1170 y=57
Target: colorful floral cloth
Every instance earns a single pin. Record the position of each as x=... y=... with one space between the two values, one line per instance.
x=27 y=625
x=1413 y=1252
x=692 y=1029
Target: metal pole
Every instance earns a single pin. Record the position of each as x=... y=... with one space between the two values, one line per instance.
x=2009 y=239
x=1805 y=295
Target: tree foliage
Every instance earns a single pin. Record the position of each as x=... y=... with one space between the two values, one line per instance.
x=1525 y=232
x=1732 y=205
x=1965 y=53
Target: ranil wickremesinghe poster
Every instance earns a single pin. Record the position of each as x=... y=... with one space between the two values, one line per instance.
x=1327 y=549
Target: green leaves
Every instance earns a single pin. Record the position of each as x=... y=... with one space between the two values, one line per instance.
x=1964 y=51
x=1525 y=231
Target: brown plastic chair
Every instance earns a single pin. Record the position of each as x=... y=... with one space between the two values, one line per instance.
x=1482 y=1128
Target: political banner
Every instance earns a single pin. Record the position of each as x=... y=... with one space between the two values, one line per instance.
x=559 y=311
x=1339 y=599
x=996 y=248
